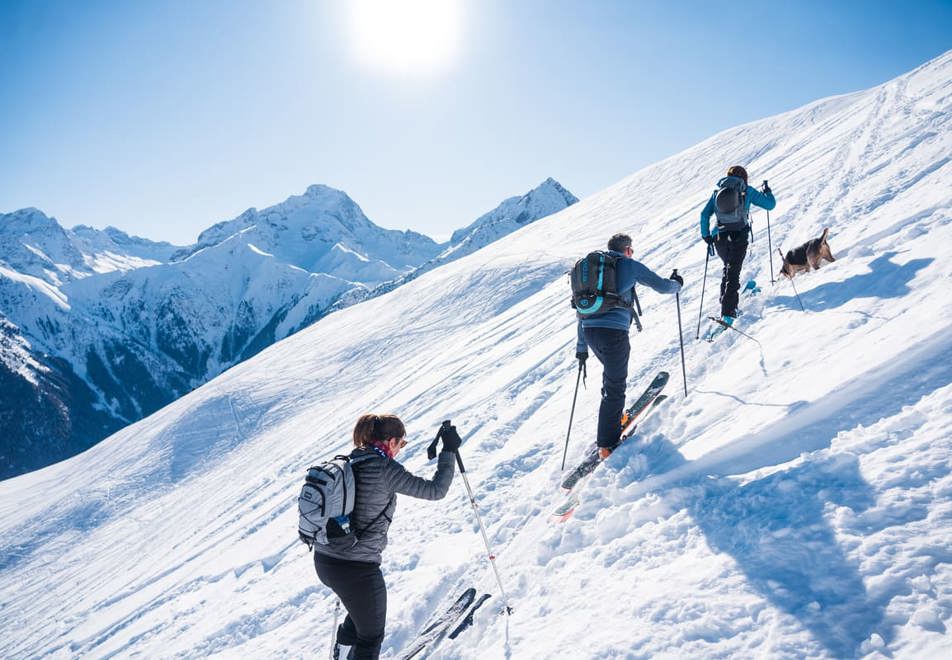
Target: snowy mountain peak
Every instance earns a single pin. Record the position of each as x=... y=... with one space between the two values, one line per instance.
x=35 y=244
x=303 y=230
x=545 y=199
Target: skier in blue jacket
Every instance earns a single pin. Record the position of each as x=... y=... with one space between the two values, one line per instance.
x=730 y=204
x=607 y=335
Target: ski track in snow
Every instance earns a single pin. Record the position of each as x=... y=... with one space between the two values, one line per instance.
x=798 y=503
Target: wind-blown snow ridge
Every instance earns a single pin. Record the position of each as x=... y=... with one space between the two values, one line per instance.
x=796 y=503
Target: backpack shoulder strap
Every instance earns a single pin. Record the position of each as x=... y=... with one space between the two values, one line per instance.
x=382 y=514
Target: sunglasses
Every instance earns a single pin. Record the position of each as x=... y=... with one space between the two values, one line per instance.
x=401 y=443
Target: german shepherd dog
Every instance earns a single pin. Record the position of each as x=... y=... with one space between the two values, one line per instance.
x=807 y=257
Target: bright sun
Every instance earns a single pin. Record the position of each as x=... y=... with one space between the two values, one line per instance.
x=407 y=37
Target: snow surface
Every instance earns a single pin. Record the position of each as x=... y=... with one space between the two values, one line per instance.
x=797 y=503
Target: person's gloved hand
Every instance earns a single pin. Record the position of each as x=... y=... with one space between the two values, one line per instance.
x=709 y=239
x=767 y=190
x=451 y=439
x=581 y=356
x=677 y=278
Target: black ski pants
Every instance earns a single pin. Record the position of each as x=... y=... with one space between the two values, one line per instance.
x=731 y=247
x=612 y=349
x=361 y=589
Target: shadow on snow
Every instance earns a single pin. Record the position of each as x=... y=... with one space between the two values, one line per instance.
x=886 y=279
x=774 y=526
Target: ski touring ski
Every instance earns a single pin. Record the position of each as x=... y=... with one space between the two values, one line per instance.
x=584 y=470
x=629 y=420
x=438 y=626
x=468 y=619
x=726 y=326
x=750 y=290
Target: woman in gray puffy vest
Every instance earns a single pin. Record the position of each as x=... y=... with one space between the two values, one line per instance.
x=352 y=570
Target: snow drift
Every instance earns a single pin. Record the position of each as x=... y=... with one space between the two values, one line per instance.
x=796 y=503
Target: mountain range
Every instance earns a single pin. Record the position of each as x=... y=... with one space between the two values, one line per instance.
x=101 y=329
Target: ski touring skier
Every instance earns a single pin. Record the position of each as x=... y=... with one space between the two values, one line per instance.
x=730 y=204
x=350 y=566
x=603 y=325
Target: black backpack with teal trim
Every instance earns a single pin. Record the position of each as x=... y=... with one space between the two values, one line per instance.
x=595 y=285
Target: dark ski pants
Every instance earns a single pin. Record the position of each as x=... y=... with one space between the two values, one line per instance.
x=731 y=247
x=612 y=349
x=361 y=589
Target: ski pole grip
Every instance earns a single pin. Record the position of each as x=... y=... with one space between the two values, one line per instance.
x=459 y=460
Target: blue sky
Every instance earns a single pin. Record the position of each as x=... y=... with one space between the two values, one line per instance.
x=161 y=118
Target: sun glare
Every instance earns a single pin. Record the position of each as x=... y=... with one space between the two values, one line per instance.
x=407 y=37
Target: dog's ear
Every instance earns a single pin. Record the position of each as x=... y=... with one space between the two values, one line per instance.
x=823 y=235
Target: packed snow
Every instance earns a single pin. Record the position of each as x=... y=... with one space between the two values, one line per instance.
x=797 y=503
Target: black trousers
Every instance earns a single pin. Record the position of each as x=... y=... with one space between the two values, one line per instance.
x=731 y=247
x=612 y=349
x=361 y=589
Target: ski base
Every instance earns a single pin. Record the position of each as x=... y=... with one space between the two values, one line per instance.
x=437 y=628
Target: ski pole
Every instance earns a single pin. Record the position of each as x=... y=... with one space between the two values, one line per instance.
x=730 y=327
x=700 y=311
x=684 y=372
x=334 y=631
x=581 y=368
x=769 y=243
x=802 y=308
x=482 y=528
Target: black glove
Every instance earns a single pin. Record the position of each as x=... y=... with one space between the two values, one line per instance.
x=709 y=239
x=766 y=189
x=581 y=356
x=677 y=278
x=451 y=439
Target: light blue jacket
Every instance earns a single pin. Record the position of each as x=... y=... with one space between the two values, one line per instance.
x=628 y=272
x=753 y=196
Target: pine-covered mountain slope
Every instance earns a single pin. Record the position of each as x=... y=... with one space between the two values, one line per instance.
x=120 y=326
x=795 y=504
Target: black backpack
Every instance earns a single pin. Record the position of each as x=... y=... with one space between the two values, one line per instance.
x=730 y=202
x=595 y=285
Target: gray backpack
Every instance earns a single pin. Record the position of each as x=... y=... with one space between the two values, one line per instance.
x=730 y=204
x=326 y=501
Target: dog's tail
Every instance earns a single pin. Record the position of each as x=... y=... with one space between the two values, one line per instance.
x=823 y=235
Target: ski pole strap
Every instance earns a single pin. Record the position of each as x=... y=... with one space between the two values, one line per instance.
x=583 y=368
x=431 y=450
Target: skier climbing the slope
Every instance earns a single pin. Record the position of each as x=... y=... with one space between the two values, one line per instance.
x=730 y=204
x=604 y=322
x=352 y=569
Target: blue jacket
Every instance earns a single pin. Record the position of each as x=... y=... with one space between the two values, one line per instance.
x=628 y=272
x=754 y=196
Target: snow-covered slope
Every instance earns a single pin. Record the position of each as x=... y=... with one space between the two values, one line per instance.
x=795 y=503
